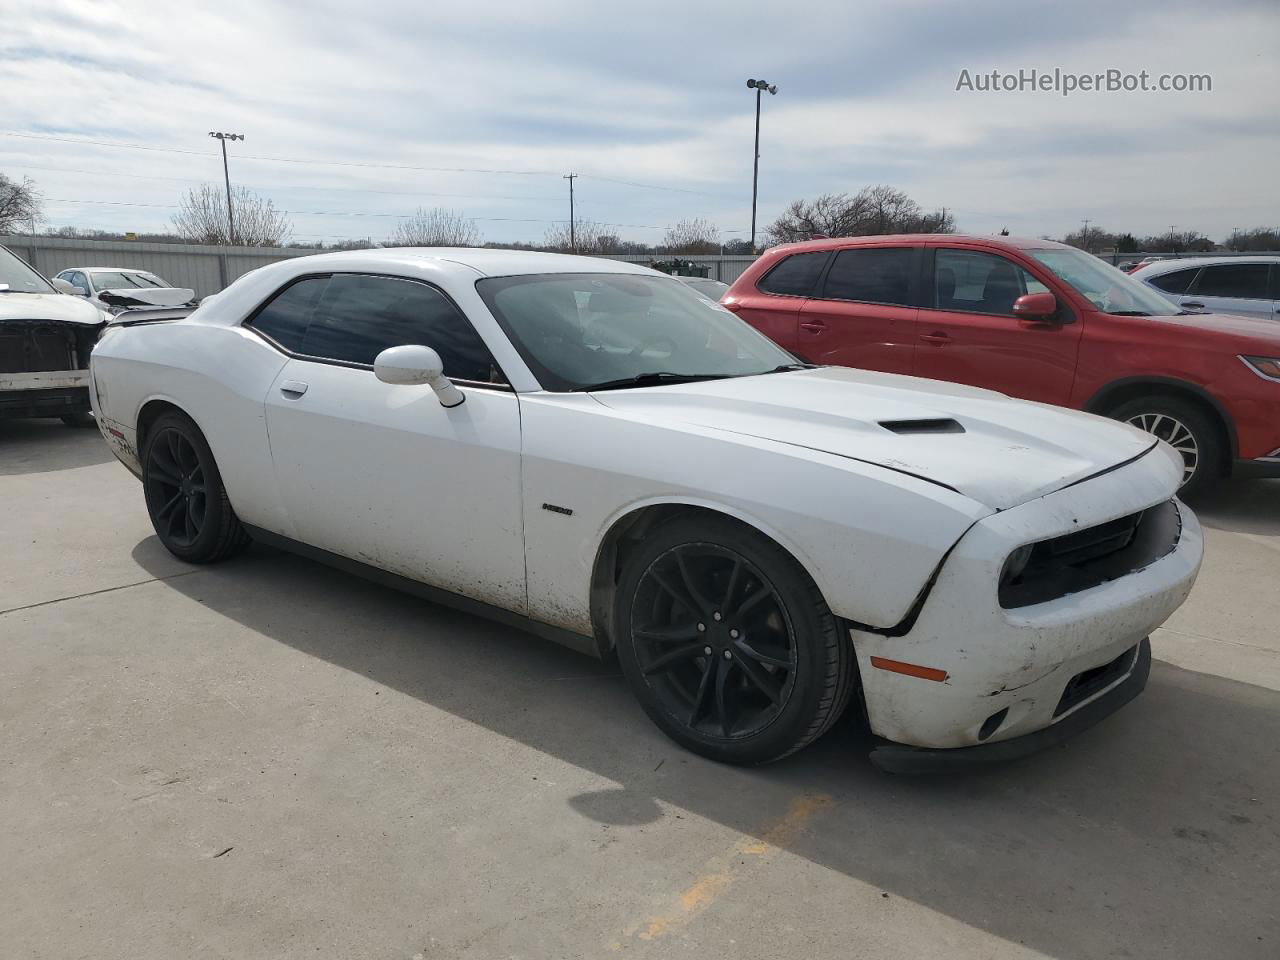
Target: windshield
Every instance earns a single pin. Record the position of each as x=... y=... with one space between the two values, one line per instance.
x=578 y=330
x=19 y=277
x=1109 y=289
x=116 y=280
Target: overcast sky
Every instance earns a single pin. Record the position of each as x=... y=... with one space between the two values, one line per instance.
x=649 y=93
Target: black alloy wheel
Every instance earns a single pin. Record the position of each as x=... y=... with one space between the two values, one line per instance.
x=727 y=642
x=714 y=640
x=185 y=497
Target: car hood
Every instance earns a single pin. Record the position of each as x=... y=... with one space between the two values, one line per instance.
x=1258 y=332
x=154 y=296
x=49 y=306
x=994 y=450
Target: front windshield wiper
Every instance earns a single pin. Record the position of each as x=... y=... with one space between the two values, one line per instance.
x=653 y=379
x=788 y=367
x=1130 y=313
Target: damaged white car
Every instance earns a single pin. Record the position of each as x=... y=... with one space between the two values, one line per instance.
x=45 y=342
x=120 y=289
x=594 y=452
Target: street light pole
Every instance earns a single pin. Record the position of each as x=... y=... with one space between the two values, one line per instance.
x=759 y=86
x=226 y=175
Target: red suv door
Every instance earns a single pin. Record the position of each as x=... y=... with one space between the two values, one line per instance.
x=772 y=305
x=967 y=332
x=863 y=313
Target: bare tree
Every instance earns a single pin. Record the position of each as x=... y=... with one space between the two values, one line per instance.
x=1256 y=238
x=436 y=227
x=588 y=237
x=696 y=236
x=18 y=203
x=202 y=218
x=872 y=210
x=1177 y=242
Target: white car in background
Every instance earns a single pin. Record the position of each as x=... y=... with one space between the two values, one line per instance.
x=593 y=452
x=1243 y=286
x=118 y=289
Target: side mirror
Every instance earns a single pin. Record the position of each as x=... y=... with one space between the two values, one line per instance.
x=416 y=364
x=63 y=286
x=1036 y=307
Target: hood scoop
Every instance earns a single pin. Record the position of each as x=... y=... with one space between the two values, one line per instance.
x=912 y=427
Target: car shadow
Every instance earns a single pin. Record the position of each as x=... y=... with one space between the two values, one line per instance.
x=1241 y=506
x=1150 y=832
x=43 y=446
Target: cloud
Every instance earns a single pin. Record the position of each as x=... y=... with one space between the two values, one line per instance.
x=653 y=95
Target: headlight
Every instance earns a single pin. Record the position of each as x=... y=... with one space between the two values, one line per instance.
x=1016 y=564
x=1266 y=367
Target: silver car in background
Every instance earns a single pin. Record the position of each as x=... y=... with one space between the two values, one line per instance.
x=1244 y=286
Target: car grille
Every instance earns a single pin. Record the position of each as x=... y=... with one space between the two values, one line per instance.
x=1087 y=558
x=1084 y=685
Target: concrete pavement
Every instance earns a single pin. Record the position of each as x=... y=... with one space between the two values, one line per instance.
x=268 y=758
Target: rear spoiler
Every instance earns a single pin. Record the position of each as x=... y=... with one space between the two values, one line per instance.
x=139 y=315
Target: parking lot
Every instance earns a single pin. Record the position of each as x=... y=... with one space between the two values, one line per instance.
x=268 y=758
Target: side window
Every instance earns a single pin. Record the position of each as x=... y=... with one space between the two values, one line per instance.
x=358 y=317
x=795 y=276
x=1175 y=282
x=1245 y=280
x=285 y=317
x=871 y=275
x=972 y=282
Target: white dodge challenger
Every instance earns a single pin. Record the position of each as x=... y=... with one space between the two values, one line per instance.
x=594 y=452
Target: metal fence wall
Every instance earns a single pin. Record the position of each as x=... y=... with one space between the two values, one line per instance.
x=204 y=269
x=207 y=270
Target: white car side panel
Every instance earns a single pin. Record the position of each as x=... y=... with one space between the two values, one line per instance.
x=386 y=475
x=219 y=376
x=869 y=538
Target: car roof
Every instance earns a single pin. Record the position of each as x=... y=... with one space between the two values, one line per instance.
x=484 y=261
x=105 y=270
x=839 y=243
x=1161 y=267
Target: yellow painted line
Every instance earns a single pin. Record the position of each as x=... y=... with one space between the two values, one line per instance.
x=720 y=873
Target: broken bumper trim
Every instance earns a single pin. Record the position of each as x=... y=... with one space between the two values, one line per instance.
x=900 y=758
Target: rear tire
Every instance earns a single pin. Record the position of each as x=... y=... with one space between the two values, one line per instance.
x=780 y=670
x=1188 y=429
x=186 y=500
x=83 y=419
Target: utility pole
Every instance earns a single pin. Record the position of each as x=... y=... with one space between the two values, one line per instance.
x=573 y=240
x=231 y=223
x=759 y=86
x=1173 y=245
x=1085 y=238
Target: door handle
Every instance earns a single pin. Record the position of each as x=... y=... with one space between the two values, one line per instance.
x=293 y=389
x=938 y=338
x=1193 y=304
x=813 y=326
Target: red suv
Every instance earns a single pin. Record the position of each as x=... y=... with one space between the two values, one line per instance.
x=1032 y=319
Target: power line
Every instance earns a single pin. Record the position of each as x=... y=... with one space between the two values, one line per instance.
x=345 y=163
x=254 y=186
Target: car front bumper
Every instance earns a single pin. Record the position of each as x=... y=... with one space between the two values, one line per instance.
x=900 y=758
x=44 y=393
x=995 y=675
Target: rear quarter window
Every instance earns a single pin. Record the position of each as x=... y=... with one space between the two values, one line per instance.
x=795 y=276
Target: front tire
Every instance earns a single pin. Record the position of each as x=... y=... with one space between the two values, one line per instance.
x=728 y=644
x=186 y=500
x=1188 y=429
